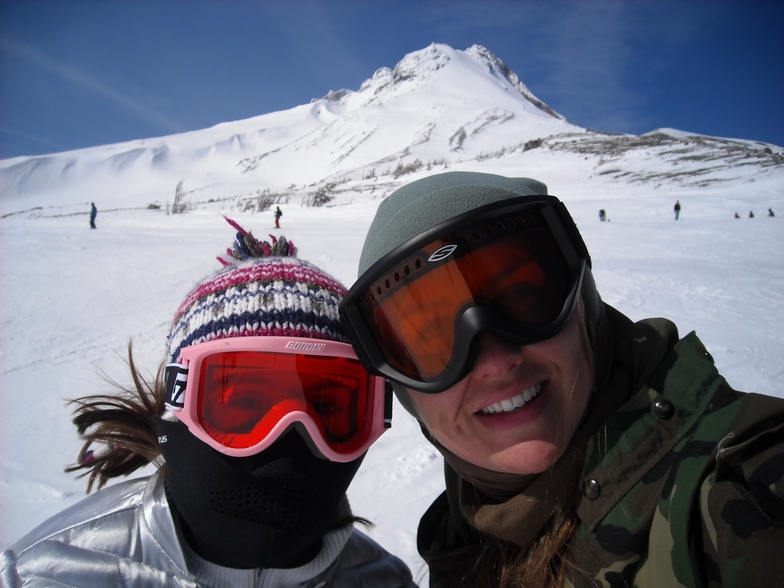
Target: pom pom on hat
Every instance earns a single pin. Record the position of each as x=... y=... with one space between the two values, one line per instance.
x=246 y=246
x=263 y=290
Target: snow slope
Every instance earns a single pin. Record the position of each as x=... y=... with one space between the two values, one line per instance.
x=72 y=298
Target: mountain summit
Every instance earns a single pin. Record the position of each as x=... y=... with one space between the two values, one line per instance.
x=436 y=104
x=438 y=108
x=422 y=65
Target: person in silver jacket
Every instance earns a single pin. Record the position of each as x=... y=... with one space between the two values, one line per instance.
x=257 y=425
x=125 y=535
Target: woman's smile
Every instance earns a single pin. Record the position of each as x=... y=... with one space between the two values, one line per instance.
x=519 y=407
x=508 y=405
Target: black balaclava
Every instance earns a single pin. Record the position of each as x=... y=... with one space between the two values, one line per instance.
x=269 y=510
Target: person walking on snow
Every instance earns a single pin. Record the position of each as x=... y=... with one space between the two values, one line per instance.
x=278 y=214
x=677 y=209
x=93 y=214
x=257 y=426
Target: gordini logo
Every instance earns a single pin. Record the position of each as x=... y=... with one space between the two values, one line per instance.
x=300 y=346
x=442 y=253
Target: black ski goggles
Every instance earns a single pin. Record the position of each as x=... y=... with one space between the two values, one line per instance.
x=513 y=268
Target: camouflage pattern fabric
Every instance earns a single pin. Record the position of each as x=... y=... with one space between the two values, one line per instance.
x=682 y=486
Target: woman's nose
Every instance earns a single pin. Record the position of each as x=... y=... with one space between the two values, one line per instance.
x=496 y=358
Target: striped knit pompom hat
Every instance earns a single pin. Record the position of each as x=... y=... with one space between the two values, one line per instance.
x=262 y=290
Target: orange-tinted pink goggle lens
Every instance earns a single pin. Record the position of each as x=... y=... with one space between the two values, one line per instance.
x=244 y=394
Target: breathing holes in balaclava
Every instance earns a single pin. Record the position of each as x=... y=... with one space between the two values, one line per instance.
x=272 y=504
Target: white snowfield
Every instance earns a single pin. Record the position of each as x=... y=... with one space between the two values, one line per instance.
x=72 y=297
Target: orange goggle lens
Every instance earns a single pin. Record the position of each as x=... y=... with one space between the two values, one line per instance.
x=413 y=313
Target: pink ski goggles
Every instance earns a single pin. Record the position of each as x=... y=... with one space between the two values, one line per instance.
x=239 y=395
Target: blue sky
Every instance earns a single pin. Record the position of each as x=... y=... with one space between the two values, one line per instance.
x=79 y=73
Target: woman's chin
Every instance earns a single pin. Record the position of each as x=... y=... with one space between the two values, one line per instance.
x=529 y=457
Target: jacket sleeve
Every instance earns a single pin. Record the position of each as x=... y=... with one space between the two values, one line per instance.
x=9 y=576
x=365 y=564
x=742 y=502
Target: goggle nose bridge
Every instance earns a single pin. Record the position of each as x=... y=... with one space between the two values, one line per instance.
x=470 y=324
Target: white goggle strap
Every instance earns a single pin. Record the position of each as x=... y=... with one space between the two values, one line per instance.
x=175 y=382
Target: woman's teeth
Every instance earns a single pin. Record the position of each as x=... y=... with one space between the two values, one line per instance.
x=510 y=404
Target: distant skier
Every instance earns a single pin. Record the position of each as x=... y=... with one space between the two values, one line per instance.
x=751 y=214
x=737 y=215
x=770 y=212
x=278 y=214
x=677 y=209
x=93 y=213
x=602 y=215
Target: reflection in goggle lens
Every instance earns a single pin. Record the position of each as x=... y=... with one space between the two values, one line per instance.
x=244 y=394
x=521 y=276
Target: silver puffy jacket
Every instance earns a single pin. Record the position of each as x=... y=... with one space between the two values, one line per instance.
x=124 y=536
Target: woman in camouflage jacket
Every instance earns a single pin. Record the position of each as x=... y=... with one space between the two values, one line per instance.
x=582 y=449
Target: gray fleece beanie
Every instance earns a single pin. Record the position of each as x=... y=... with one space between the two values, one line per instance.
x=421 y=205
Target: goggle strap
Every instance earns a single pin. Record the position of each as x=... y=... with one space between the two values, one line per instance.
x=175 y=382
x=568 y=224
x=388 y=398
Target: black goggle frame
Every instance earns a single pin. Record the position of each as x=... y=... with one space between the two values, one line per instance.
x=556 y=219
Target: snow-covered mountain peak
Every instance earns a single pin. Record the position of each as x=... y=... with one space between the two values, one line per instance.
x=436 y=105
x=420 y=64
x=407 y=74
x=439 y=63
x=415 y=66
x=438 y=108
